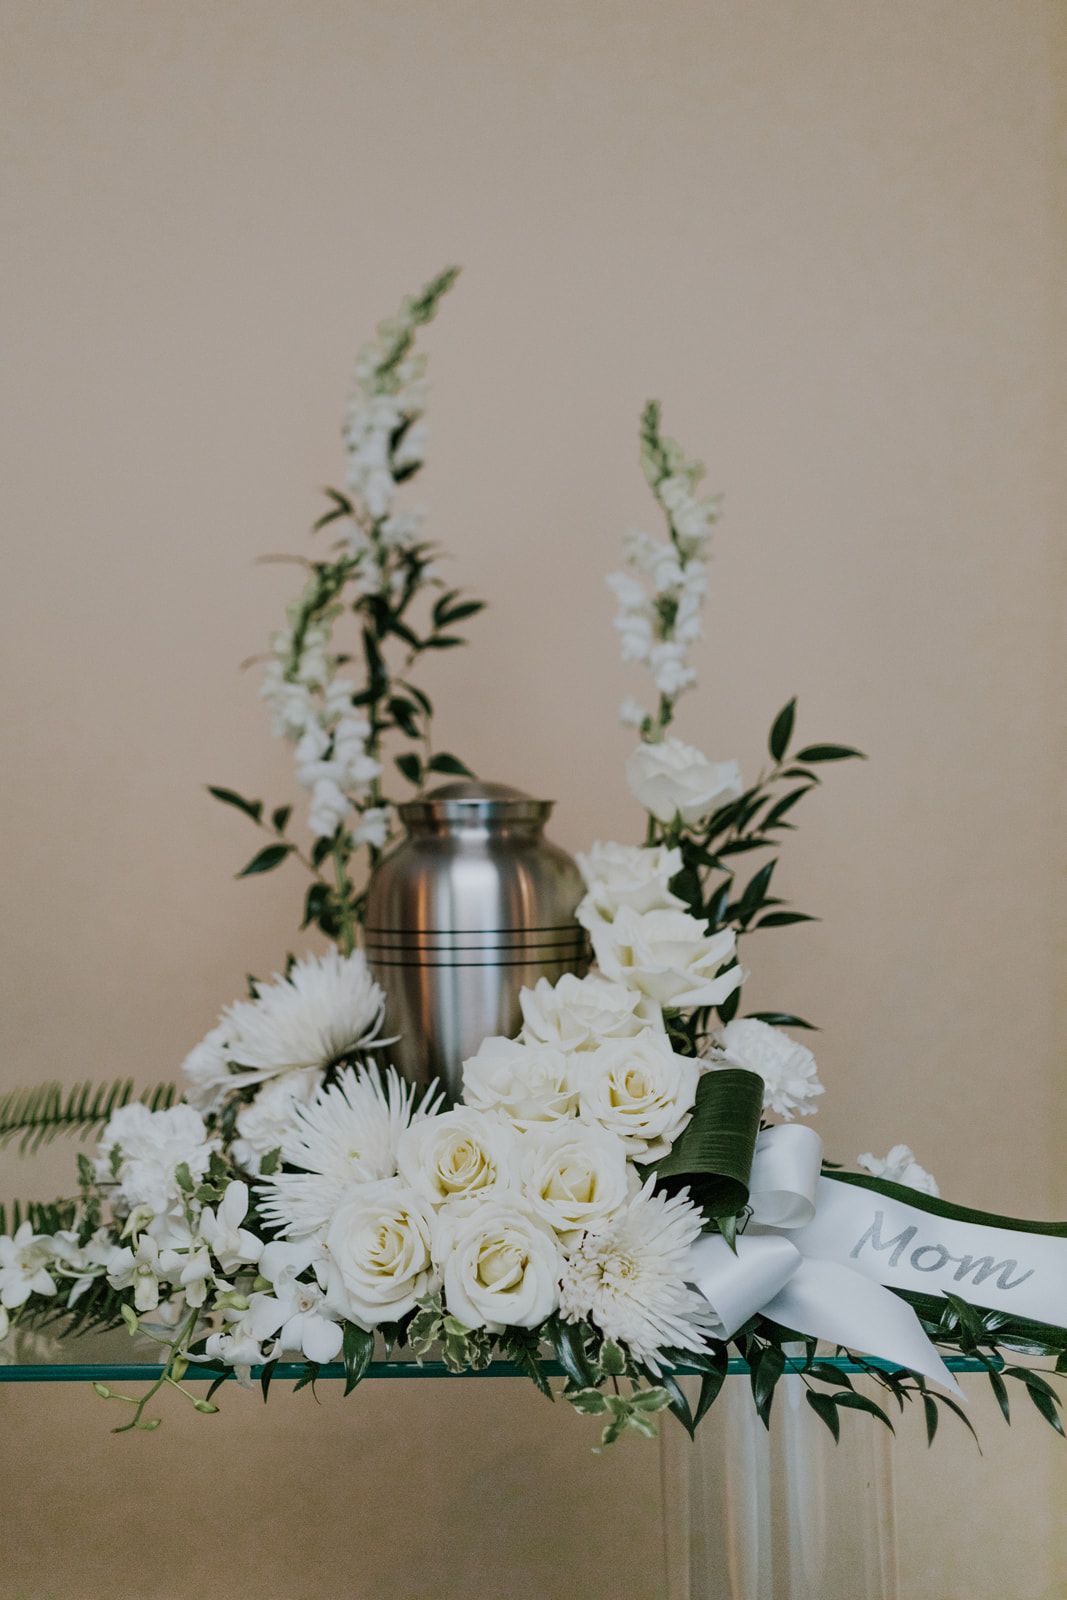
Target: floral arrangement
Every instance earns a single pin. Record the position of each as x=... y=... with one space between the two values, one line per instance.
x=612 y=1200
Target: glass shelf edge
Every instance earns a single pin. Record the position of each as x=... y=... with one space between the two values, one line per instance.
x=146 y=1372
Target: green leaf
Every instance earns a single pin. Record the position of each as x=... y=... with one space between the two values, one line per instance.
x=271 y=1162
x=320 y=850
x=184 y=1178
x=679 y=1405
x=930 y=1408
x=612 y=1359
x=280 y=818
x=827 y=1374
x=711 y=1384
x=713 y=1155
x=781 y=1019
x=265 y=1376
x=411 y=767
x=316 y=901
x=829 y=752
x=784 y=919
x=460 y=613
x=824 y=1408
x=230 y=797
x=568 y=1343
x=782 y=730
x=755 y=889
x=443 y=641
x=766 y=1369
x=590 y=1402
x=860 y=1402
x=654 y=1399
x=786 y=803
x=523 y=1347
x=728 y=1008
x=1000 y=1389
x=271 y=856
x=443 y=762
x=357 y=1351
x=403 y=713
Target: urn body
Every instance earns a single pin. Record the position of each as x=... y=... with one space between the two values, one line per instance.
x=470 y=908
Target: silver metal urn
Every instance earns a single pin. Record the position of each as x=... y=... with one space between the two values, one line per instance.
x=472 y=906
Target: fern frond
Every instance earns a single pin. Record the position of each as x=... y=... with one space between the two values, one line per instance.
x=42 y=1113
x=43 y=1216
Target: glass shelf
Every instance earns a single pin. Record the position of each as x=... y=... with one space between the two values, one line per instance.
x=35 y=1357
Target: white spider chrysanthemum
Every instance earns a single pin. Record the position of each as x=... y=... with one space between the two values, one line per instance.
x=327 y=1008
x=630 y=1280
x=348 y=1134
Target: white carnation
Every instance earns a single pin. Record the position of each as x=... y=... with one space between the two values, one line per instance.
x=788 y=1070
x=271 y=1117
x=152 y=1145
x=900 y=1166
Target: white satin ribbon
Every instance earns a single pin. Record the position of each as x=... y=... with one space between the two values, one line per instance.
x=806 y=1281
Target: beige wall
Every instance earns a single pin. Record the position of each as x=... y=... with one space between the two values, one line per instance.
x=829 y=237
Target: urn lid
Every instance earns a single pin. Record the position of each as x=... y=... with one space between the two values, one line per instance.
x=475 y=803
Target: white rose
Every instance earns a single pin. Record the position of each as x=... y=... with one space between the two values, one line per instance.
x=672 y=778
x=640 y=1090
x=788 y=1070
x=667 y=955
x=379 y=1253
x=627 y=875
x=500 y=1262
x=579 y=1013
x=458 y=1155
x=574 y=1176
x=525 y=1083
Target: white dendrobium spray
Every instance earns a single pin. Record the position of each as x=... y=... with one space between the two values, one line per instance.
x=327 y=1009
x=526 y=1084
x=788 y=1070
x=900 y=1166
x=24 y=1262
x=664 y=954
x=640 y=1090
x=580 y=1013
x=348 y=1135
x=500 y=1263
x=618 y=875
x=629 y=1277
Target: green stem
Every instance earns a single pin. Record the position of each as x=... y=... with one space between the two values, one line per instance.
x=344 y=893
